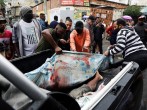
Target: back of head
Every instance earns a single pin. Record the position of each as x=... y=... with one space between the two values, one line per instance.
x=62 y=25
x=56 y=18
x=79 y=24
x=121 y=21
x=92 y=18
x=79 y=27
x=24 y=10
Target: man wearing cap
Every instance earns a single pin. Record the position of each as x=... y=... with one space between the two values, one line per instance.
x=26 y=33
x=141 y=29
x=90 y=25
x=6 y=47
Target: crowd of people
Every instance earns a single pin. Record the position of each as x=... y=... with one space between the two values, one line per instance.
x=32 y=34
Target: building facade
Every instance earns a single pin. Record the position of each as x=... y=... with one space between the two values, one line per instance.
x=76 y=9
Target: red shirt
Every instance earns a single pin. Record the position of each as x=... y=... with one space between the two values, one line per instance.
x=6 y=43
x=109 y=30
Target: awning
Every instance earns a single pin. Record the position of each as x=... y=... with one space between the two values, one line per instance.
x=101 y=6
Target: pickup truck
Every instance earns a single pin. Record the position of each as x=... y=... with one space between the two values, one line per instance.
x=123 y=86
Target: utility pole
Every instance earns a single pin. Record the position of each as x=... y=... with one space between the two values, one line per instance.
x=129 y=2
x=45 y=9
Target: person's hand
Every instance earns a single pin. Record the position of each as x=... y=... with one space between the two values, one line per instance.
x=110 y=47
x=63 y=41
x=85 y=49
x=106 y=53
x=68 y=41
x=58 y=50
x=73 y=50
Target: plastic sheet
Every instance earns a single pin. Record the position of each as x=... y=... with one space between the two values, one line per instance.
x=68 y=69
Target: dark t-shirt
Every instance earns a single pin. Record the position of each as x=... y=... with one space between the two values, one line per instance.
x=53 y=24
x=66 y=37
x=140 y=29
x=44 y=45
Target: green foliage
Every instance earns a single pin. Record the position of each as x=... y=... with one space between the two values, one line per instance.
x=2 y=2
x=133 y=11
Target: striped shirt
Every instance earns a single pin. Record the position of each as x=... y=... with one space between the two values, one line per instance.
x=128 y=42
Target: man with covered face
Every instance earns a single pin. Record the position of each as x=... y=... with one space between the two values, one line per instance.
x=26 y=33
x=80 y=38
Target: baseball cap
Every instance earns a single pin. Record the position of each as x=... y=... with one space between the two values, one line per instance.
x=142 y=17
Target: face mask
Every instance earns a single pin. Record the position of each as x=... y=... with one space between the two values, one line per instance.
x=2 y=30
x=79 y=31
x=28 y=16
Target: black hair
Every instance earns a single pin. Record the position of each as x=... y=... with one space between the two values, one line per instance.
x=67 y=17
x=79 y=24
x=68 y=20
x=79 y=27
x=56 y=18
x=97 y=17
x=42 y=14
x=62 y=25
x=121 y=21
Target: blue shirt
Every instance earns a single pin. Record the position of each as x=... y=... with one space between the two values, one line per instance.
x=42 y=23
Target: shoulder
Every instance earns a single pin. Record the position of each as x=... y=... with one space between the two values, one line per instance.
x=85 y=29
x=7 y=31
x=16 y=24
x=47 y=31
x=74 y=32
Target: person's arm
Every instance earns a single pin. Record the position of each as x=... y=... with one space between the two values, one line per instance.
x=108 y=30
x=16 y=48
x=46 y=34
x=120 y=46
x=72 y=41
x=15 y=40
x=87 y=39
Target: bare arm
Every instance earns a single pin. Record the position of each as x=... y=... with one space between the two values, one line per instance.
x=72 y=42
x=16 y=47
x=46 y=34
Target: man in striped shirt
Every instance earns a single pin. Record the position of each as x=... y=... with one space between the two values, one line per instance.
x=130 y=44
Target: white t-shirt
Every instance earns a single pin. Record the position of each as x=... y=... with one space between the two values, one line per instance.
x=31 y=37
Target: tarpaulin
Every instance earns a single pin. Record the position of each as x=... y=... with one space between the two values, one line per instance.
x=67 y=69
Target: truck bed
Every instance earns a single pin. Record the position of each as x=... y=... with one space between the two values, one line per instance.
x=125 y=95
